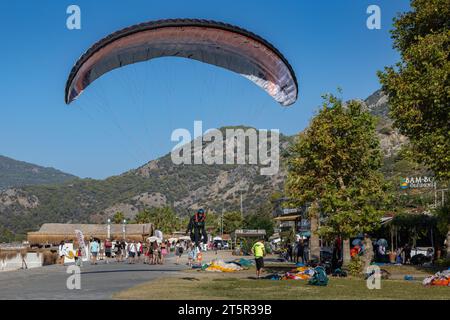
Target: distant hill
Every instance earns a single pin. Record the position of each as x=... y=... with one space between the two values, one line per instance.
x=15 y=173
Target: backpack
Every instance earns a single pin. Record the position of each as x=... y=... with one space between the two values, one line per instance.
x=319 y=278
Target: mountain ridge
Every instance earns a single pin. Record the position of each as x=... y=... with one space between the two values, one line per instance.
x=16 y=173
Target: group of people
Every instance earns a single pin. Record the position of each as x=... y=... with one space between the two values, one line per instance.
x=401 y=255
x=297 y=252
x=129 y=251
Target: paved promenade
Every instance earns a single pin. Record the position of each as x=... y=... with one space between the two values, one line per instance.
x=99 y=281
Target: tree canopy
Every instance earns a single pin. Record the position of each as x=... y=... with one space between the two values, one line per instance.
x=418 y=86
x=335 y=163
x=164 y=219
x=118 y=217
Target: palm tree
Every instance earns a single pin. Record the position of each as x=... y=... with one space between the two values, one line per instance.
x=118 y=217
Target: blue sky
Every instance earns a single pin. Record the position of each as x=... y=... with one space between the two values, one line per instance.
x=126 y=118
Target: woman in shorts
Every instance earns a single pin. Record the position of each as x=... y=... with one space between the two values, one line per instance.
x=156 y=252
x=163 y=251
x=118 y=251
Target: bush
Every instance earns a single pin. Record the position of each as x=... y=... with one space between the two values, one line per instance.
x=49 y=258
x=444 y=263
x=355 y=267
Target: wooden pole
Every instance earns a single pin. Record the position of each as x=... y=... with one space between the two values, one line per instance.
x=392 y=239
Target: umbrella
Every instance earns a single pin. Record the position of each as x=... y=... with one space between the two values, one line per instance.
x=172 y=240
x=152 y=239
x=299 y=236
x=304 y=234
x=357 y=242
x=184 y=238
x=382 y=242
x=159 y=234
x=217 y=238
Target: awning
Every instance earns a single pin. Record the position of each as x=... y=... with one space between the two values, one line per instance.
x=294 y=217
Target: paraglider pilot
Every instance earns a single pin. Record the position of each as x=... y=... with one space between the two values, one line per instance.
x=196 y=227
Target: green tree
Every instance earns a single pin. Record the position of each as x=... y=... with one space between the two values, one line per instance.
x=231 y=221
x=334 y=165
x=164 y=219
x=213 y=222
x=143 y=217
x=418 y=86
x=118 y=217
x=261 y=219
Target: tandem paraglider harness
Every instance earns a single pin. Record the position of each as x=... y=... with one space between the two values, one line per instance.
x=196 y=227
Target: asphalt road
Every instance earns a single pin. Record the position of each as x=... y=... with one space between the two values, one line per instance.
x=99 y=281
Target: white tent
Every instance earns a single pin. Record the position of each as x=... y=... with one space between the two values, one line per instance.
x=159 y=234
x=153 y=239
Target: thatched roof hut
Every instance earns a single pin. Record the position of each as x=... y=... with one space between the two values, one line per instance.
x=54 y=233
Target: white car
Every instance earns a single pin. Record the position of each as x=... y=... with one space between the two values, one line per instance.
x=426 y=251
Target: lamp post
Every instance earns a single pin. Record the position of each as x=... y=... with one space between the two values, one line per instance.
x=108 y=229
x=123 y=228
x=221 y=223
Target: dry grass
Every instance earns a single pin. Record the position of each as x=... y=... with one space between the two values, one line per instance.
x=49 y=258
x=210 y=286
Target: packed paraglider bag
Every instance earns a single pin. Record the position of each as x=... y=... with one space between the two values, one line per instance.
x=319 y=277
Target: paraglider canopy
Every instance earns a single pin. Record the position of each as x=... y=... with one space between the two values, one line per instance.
x=211 y=42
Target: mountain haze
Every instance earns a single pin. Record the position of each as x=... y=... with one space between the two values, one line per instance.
x=15 y=173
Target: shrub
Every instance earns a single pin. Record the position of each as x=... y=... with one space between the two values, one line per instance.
x=355 y=267
x=444 y=263
x=49 y=258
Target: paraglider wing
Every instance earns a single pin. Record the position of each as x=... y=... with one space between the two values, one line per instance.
x=210 y=42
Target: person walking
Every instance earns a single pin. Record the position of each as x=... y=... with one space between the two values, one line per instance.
x=139 y=250
x=407 y=253
x=150 y=253
x=300 y=252
x=191 y=254
x=132 y=252
x=94 y=248
x=79 y=257
x=123 y=249
x=259 y=251
x=215 y=247
x=178 y=251
x=163 y=251
x=101 y=252
x=156 y=252
x=289 y=252
x=62 y=252
x=146 y=249
x=108 y=249
x=118 y=251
